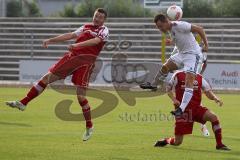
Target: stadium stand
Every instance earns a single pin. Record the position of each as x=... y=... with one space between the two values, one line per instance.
x=21 y=39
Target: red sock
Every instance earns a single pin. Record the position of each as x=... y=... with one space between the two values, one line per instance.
x=86 y=113
x=34 y=92
x=218 y=132
x=170 y=141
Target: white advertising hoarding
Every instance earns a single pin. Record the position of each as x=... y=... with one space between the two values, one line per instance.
x=220 y=76
x=223 y=76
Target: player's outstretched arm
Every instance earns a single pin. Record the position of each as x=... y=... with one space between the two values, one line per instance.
x=212 y=96
x=201 y=32
x=60 y=38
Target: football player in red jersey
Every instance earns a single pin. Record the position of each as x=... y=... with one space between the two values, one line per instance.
x=194 y=112
x=78 y=62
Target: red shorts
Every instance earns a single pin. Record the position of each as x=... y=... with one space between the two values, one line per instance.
x=184 y=124
x=80 y=67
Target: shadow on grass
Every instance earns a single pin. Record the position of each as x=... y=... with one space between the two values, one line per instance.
x=15 y=124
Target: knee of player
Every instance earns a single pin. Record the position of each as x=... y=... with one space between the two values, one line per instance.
x=44 y=79
x=214 y=118
x=48 y=78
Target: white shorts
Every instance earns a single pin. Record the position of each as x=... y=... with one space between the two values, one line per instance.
x=189 y=62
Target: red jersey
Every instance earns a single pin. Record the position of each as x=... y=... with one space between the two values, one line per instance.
x=89 y=31
x=178 y=84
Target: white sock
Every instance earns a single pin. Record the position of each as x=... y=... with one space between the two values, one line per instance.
x=187 y=96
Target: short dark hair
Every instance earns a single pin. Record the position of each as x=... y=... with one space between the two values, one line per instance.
x=160 y=17
x=101 y=10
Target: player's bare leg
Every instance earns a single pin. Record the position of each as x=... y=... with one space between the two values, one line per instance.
x=86 y=109
x=217 y=130
x=161 y=76
x=176 y=141
x=188 y=93
x=35 y=91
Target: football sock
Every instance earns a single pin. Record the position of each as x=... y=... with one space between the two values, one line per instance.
x=86 y=113
x=187 y=96
x=218 y=132
x=36 y=90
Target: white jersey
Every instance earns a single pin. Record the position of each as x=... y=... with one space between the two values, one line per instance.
x=184 y=38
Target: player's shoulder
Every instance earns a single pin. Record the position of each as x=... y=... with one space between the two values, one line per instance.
x=178 y=23
x=103 y=27
x=174 y=23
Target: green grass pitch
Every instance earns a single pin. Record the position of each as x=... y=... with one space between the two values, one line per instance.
x=121 y=134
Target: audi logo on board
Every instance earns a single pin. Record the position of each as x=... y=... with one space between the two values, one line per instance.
x=124 y=73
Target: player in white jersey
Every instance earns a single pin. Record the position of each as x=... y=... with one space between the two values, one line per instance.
x=188 y=57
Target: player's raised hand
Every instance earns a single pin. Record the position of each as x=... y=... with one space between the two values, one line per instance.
x=45 y=43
